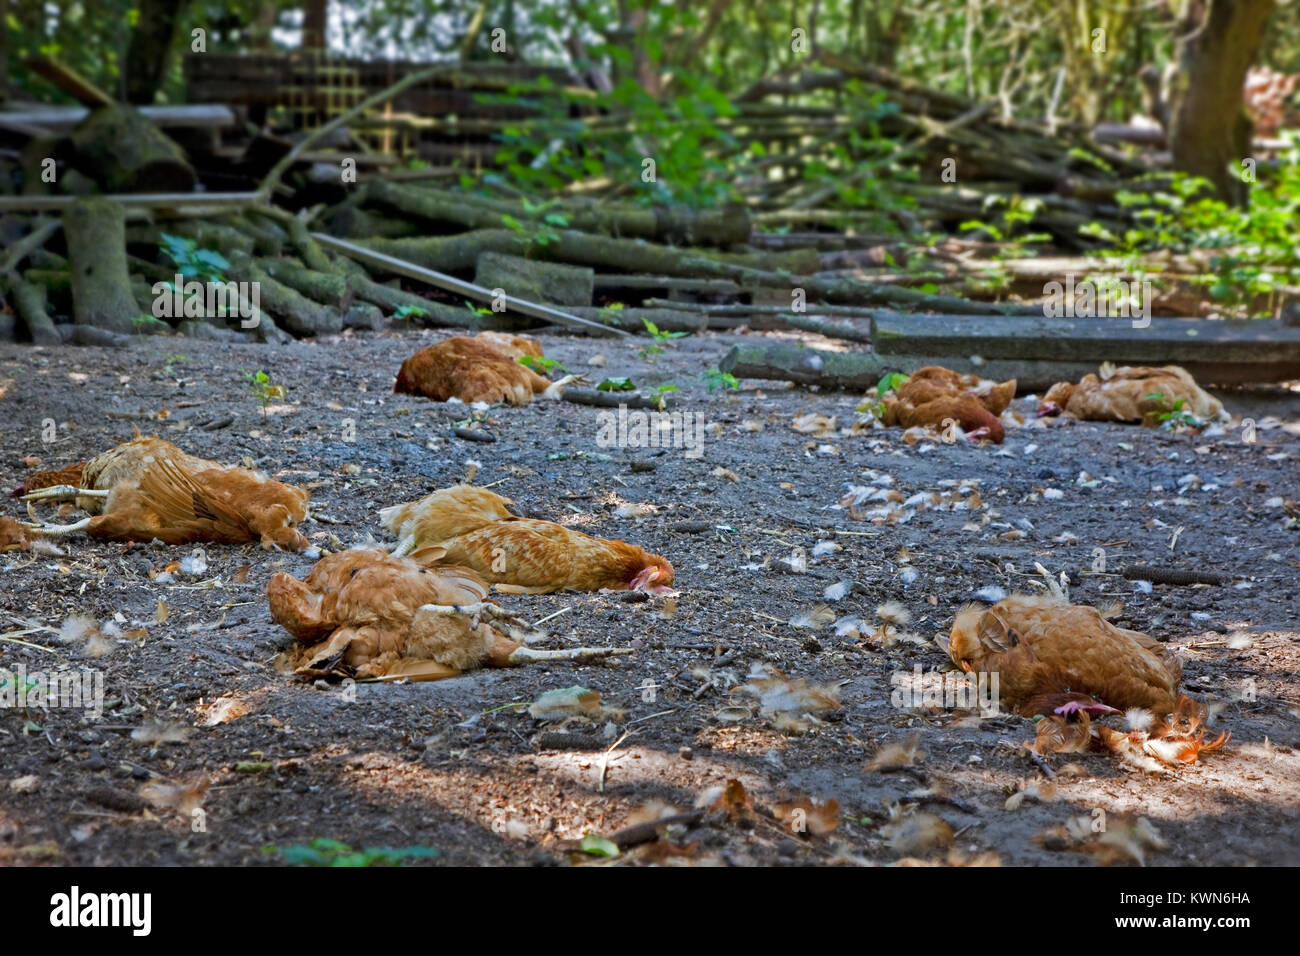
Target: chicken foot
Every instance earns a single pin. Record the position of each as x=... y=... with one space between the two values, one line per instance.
x=64 y=491
x=509 y=653
x=57 y=530
x=555 y=390
x=518 y=627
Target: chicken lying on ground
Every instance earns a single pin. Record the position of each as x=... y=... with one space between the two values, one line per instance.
x=149 y=489
x=1128 y=394
x=368 y=613
x=123 y=463
x=934 y=396
x=484 y=368
x=1066 y=663
x=522 y=555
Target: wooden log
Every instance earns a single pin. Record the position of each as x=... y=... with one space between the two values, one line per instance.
x=299 y=314
x=60 y=119
x=853 y=371
x=858 y=371
x=1225 y=352
x=68 y=80
x=29 y=303
x=631 y=318
x=726 y=226
x=535 y=280
x=122 y=151
x=400 y=266
x=95 y=229
x=172 y=204
x=671 y=283
x=599 y=399
x=635 y=255
x=24 y=247
x=328 y=288
x=434 y=313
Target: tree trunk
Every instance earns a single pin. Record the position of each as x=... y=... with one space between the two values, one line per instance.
x=315 y=19
x=1209 y=129
x=148 y=57
x=95 y=230
x=122 y=151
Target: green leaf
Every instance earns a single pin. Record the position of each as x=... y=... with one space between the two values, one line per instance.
x=616 y=385
x=598 y=846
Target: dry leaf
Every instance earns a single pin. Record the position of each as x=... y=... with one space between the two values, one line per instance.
x=806 y=815
x=918 y=834
x=895 y=756
x=154 y=732
x=185 y=794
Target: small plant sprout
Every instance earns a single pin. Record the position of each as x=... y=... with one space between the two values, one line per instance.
x=616 y=385
x=663 y=391
x=720 y=379
x=265 y=390
x=542 y=366
x=477 y=309
x=660 y=337
x=410 y=312
x=1172 y=415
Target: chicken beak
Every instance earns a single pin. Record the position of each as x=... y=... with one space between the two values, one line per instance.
x=1048 y=408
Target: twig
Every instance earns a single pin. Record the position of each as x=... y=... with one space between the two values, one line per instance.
x=29 y=244
x=651 y=829
x=604 y=760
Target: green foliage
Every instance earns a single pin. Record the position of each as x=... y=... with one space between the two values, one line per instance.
x=598 y=846
x=542 y=366
x=264 y=389
x=616 y=385
x=1251 y=251
x=411 y=312
x=720 y=379
x=663 y=391
x=889 y=383
x=1173 y=416
x=205 y=265
x=325 y=852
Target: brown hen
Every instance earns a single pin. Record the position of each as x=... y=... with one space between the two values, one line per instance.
x=1131 y=394
x=934 y=396
x=149 y=492
x=368 y=613
x=475 y=528
x=484 y=368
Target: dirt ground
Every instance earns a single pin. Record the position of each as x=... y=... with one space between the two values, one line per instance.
x=452 y=766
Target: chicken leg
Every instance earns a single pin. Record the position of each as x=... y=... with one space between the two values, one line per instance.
x=64 y=491
x=508 y=653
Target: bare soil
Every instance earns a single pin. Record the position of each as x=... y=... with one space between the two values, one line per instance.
x=450 y=765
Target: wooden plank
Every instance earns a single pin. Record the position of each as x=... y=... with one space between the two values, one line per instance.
x=443 y=281
x=224 y=201
x=63 y=118
x=859 y=371
x=1165 y=341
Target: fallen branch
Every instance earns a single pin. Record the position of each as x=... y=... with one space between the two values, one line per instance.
x=443 y=281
